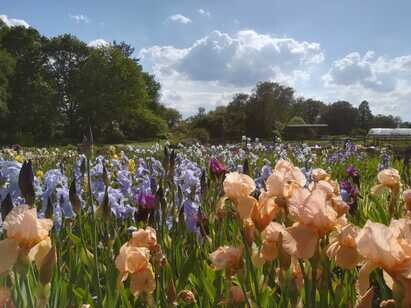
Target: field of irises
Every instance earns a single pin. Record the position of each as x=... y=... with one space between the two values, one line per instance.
x=250 y=224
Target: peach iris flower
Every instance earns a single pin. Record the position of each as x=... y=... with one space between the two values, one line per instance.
x=145 y=238
x=387 y=179
x=314 y=216
x=319 y=175
x=26 y=235
x=134 y=260
x=6 y=300
x=265 y=211
x=284 y=178
x=143 y=282
x=227 y=258
x=407 y=199
x=280 y=184
x=238 y=187
x=276 y=237
x=23 y=226
x=237 y=295
x=343 y=248
x=387 y=247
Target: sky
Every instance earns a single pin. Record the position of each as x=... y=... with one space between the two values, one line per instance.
x=205 y=51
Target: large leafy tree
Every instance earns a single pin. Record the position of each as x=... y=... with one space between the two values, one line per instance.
x=7 y=65
x=53 y=90
x=364 y=115
x=341 y=117
x=309 y=109
x=65 y=56
x=270 y=103
x=115 y=94
x=31 y=104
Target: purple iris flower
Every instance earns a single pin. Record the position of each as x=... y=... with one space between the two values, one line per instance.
x=191 y=216
x=216 y=167
x=125 y=181
x=352 y=172
x=116 y=202
x=146 y=200
x=56 y=191
x=385 y=162
x=349 y=193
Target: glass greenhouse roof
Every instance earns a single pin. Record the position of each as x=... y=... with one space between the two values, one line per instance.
x=394 y=133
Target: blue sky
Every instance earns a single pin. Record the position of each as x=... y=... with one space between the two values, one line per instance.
x=205 y=51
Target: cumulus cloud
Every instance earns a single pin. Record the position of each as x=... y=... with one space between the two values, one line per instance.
x=240 y=60
x=215 y=67
x=179 y=19
x=80 y=18
x=384 y=81
x=98 y=43
x=12 y=22
x=203 y=12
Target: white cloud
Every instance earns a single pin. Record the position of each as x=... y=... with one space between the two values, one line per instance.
x=179 y=19
x=80 y=18
x=203 y=12
x=12 y=22
x=209 y=71
x=98 y=43
x=385 y=82
x=215 y=67
x=240 y=60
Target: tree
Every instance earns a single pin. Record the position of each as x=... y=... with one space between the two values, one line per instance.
x=51 y=90
x=31 y=116
x=65 y=55
x=385 y=121
x=364 y=116
x=269 y=103
x=236 y=117
x=152 y=87
x=112 y=90
x=310 y=110
x=7 y=66
x=341 y=117
x=170 y=115
x=126 y=49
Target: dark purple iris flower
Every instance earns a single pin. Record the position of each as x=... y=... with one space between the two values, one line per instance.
x=216 y=167
x=349 y=193
x=354 y=174
x=146 y=200
x=352 y=171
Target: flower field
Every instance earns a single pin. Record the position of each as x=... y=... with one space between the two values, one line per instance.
x=249 y=224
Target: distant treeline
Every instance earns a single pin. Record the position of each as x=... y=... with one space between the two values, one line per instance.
x=53 y=89
x=271 y=106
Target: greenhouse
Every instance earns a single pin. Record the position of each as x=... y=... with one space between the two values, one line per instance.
x=390 y=133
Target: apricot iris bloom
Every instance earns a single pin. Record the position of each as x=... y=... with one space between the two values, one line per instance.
x=26 y=235
x=387 y=247
x=133 y=261
x=227 y=258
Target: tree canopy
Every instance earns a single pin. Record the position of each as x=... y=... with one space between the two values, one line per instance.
x=53 y=89
x=271 y=106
